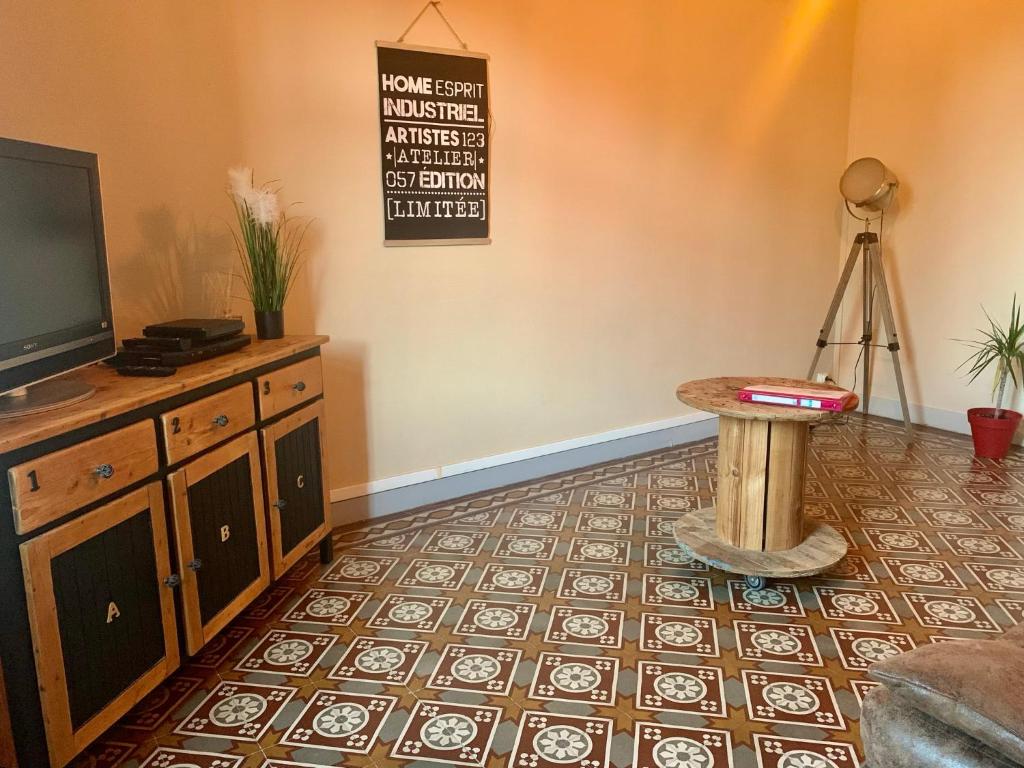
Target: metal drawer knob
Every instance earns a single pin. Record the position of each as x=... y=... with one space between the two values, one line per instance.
x=172 y=581
x=280 y=504
x=299 y=386
x=195 y=565
x=104 y=470
x=220 y=421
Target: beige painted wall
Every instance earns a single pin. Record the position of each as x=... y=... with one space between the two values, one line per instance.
x=663 y=197
x=937 y=96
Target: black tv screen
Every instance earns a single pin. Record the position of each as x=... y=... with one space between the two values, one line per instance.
x=54 y=295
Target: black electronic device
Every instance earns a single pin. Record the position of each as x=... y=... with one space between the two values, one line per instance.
x=196 y=329
x=146 y=370
x=54 y=292
x=195 y=354
x=158 y=344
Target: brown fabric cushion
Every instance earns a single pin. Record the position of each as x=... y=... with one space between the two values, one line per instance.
x=976 y=686
x=898 y=736
x=1015 y=635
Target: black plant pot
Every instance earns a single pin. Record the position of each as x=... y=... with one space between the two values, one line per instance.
x=270 y=324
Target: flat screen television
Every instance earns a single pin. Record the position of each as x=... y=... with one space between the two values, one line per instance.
x=55 y=311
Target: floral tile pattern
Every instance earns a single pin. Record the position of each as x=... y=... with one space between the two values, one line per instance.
x=478 y=670
x=785 y=643
x=680 y=688
x=661 y=633
x=490 y=618
x=448 y=733
x=287 y=652
x=585 y=626
x=379 y=660
x=567 y=677
x=434 y=574
x=580 y=584
x=337 y=720
x=328 y=606
x=554 y=741
x=437 y=639
x=410 y=613
x=656 y=746
x=237 y=711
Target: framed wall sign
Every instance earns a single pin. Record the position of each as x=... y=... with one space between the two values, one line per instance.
x=434 y=145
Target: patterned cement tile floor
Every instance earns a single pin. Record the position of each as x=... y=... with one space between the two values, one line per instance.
x=557 y=625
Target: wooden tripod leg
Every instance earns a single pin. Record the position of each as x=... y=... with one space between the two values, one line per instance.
x=837 y=300
x=890 y=328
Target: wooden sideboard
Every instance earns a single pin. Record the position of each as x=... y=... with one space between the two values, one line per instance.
x=136 y=524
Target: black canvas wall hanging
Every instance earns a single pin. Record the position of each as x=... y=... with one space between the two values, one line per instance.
x=435 y=153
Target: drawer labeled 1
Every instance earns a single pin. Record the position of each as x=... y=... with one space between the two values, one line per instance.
x=101 y=610
x=55 y=484
x=295 y=462
x=220 y=526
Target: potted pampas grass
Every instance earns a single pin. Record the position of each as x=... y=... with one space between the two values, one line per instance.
x=270 y=248
x=993 y=428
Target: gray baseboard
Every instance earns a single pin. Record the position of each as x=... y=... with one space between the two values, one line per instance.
x=398 y=500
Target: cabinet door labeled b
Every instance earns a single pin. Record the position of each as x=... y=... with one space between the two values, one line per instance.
x=293 y=451
x=221 y=537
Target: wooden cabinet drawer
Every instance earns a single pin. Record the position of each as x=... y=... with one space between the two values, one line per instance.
x=55 y=484
x=221 y=536
x=296 y=474
x=102 y=617
x=196 y=426
x=285 y=388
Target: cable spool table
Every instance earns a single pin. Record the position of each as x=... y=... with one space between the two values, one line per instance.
x=757 y=528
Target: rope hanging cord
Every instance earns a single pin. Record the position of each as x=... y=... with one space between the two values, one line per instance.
x=436 y=5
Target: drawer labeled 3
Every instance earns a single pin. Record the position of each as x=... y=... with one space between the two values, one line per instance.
x=196 y=426
x=53 y=485
x=221 y=536
x=295 y=462
x=287 y=387
x=101 y=609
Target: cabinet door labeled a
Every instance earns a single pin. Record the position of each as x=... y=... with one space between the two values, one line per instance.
x=102 y=616
x=221 y=537
x=295 y=461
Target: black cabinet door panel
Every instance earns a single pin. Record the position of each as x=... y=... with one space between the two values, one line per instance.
x=221 y=529
x=108 y=612
x=102 y=616
x=294 y=460
x=299 y=483
x=223 y=519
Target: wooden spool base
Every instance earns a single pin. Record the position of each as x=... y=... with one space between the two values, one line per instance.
x=823 y=547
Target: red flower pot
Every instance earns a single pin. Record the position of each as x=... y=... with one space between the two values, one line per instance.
x=992 y=436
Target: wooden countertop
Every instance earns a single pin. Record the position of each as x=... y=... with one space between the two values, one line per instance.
x=719 y=396
x=120 y=394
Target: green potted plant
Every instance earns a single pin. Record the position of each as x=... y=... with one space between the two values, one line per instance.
x=270 y=247
x=993 y=428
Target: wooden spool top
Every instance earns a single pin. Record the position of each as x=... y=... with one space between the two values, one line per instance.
x=719 y=396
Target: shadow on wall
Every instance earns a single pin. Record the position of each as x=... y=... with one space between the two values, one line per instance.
x=185 y=269
x=347 y=437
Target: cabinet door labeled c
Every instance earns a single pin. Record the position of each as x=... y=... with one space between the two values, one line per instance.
x=102 y=616
x=221 y=537
x=293 y=451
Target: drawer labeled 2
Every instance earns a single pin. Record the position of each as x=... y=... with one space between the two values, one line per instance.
x=101 y=609
x=295 y=462
x=221 y=536
x=287 y=387
x=51 y=486
x=196 y=426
